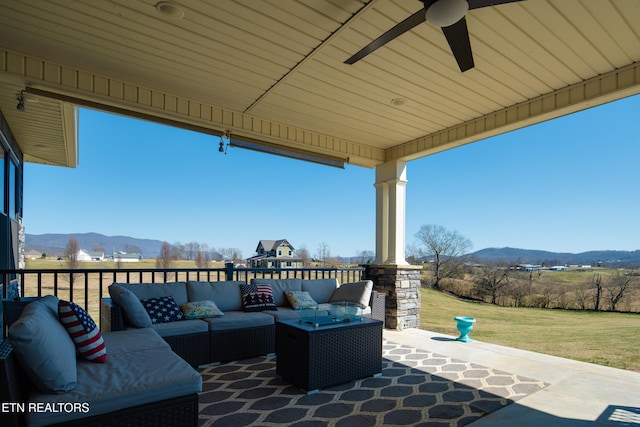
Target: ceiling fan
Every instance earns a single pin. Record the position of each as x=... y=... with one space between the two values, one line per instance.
x=446 y=14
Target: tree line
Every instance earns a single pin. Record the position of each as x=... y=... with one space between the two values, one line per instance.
x=501 y=283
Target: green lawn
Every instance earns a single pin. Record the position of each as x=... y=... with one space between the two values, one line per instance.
x=609 y=339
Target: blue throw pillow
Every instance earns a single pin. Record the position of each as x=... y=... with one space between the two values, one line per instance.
x=132 y=309
x=44 y=348
x=162 y=309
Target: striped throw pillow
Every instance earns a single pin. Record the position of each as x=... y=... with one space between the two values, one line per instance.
x=83 y=331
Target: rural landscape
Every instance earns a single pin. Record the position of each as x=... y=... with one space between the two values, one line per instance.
x=587 y=312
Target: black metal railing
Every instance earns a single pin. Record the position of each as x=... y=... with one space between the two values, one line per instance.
x=87 y=286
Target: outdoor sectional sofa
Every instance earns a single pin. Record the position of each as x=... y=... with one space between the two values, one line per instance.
x=49 y=376
x=237 y=332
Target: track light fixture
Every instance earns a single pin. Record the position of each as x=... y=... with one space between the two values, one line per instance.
x=280 y=150
x=223 y=147
x=20 y=99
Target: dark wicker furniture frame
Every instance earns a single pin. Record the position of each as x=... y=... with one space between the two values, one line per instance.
x=312 y=358
x=220 y=346
x=16 y=387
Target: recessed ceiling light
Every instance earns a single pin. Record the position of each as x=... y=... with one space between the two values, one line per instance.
x=398 y=101
x=170 y=9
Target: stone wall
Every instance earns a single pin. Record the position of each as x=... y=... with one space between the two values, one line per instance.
x=401 y=286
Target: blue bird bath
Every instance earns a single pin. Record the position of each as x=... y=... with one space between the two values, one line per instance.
x=465 y=326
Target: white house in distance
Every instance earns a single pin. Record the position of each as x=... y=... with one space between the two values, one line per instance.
x=274 y=254
x=85 y=255
x=125 y=257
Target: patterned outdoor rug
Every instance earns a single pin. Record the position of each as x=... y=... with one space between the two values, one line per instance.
x=416 y=388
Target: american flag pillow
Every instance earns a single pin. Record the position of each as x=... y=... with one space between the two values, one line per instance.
x=83 y=330
x=257 y=297
x=162 y=309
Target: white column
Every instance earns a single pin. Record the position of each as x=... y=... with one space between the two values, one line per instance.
x=390 y=212
x=382 y=221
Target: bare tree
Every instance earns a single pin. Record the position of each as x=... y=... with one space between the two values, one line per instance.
x=492 y=279
x=231 y=254
x=323 y=253
x=446 y=247
x=191 y=249
x=617 y=287
x=167 y=257
x=303 y=254
x=413 y=254
x=178 y=250
x=203 y=259
x=366 y=257
x=71 y=253
x=596 y=283
x=582 y=296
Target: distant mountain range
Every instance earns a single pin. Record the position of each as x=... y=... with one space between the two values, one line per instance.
x=529 y=256
x=54 y=245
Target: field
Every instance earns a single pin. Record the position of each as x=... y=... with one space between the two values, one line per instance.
x=608 y=339
x=572 y=289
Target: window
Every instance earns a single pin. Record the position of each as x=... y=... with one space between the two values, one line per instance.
x=279 y=252
x=289 y=252
x=3 y=156
x=13 y=193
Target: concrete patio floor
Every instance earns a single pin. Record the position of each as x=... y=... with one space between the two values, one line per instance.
x=579 y=393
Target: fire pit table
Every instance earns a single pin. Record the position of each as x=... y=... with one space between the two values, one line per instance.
x=312 y=356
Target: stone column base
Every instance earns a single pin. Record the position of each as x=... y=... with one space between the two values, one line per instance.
x=401 y=286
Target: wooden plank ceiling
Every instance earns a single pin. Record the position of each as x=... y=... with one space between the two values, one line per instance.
x=273 y=71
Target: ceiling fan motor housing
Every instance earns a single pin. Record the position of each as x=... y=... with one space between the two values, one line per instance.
x=444 y=13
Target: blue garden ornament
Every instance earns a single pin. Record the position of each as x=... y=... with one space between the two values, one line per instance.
x=465 y=326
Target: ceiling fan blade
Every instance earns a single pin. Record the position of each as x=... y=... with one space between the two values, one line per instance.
x=401 y=28
x=477 y=4
x=458 y=37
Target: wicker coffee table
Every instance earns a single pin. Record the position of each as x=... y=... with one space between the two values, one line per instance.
x=312 y=358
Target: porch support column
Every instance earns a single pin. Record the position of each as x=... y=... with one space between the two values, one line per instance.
x=390 y=272
x=390 y=212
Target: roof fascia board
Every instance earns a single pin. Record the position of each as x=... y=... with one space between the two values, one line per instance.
x=617 y=84
x=73 y=85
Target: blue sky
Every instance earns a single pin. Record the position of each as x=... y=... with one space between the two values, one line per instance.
x=567 y=185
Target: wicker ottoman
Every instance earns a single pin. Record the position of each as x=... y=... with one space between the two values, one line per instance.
x=312 y=358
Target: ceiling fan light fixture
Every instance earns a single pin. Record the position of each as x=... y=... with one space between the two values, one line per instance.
x=444 y=13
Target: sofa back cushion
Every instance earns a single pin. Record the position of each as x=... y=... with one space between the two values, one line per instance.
x=178 y=290
x=320 y=289
x=225 y=294
x=133 y=310
x=357 y=293
x=278 y=286
x=44 y=348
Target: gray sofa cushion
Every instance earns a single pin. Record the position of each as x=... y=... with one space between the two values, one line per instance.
x=320 y=289
x=44 y=348
x=183 y=327
x=284 y=313
x=239 y=320
x=357 y=292
x=135 y=339
x=133 y=310
x=278 y=286
x=225 y=294
x=178 y=290
x=149 y=374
